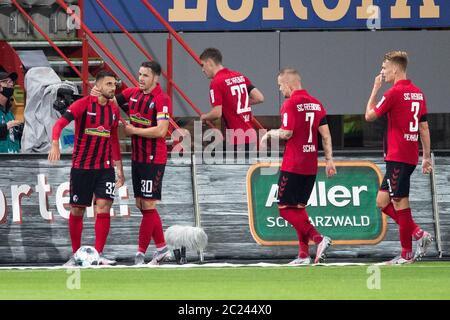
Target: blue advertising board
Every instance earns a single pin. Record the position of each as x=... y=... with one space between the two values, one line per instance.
x=220 y=15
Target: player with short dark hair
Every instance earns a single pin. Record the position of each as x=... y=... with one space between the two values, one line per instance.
x=406 y=110
x=302 y=118
x=96 y=150
x=150 y=110
x=231 y=95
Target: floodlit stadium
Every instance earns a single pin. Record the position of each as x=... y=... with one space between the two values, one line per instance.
x=224 y=150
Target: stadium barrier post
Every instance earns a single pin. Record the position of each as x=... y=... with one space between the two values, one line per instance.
x=195 y=198
x=436 y=216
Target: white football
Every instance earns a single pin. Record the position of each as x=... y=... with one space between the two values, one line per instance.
x=86 y=256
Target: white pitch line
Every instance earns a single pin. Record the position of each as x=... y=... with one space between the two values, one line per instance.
x=218 y=265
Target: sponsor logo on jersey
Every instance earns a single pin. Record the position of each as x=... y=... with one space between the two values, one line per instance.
x=99 y=131
x=138 y=118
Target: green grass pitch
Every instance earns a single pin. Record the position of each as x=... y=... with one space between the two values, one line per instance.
x=423 y=280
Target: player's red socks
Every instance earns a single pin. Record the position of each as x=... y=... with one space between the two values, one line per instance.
x=406 y=228
x=304 y=245
x=390 y=211
x=299 y=220
x=102 y=224
x=158 y=232
x=146 y=229
x=417 y=232
x=75 y=230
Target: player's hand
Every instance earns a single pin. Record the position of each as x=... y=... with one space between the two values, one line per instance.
x=378 y=82
x=330 y=168
x=54 y=154
x=120 y=180
x=263 y=142
x=203 y=117
x=426 y=166
x=129 y=129
x=95 y=92
x=12 y=123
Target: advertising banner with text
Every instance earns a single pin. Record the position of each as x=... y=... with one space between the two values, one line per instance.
x=342 y=207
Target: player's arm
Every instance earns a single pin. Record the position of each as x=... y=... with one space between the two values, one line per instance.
x=117 y=157
x=215 y=97
x=159 y=131
x=287 y=126
x=164 y=110
x=214 y=114
x=426 y=146
x=371 y=115
x=278 y=134
x=255 y=96
x=74 y=110
x=330 y=169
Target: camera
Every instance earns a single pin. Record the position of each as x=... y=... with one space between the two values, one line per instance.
x=18 y=131
x=64 y=98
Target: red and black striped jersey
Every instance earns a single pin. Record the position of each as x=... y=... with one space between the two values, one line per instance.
x=145 y=110
x=96 y=135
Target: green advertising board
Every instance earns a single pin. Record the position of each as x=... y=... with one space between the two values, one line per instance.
x=342 y=207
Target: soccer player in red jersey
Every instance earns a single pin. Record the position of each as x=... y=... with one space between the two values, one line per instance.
x=96 y=150
x=302 y=118
x=231 y=95
x=149 y=109
x=406 y=110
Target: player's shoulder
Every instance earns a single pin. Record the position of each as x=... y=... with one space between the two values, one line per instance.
x=393 y=91
x=415 y=88
x=163 y=97
x=131 y=90
x=235 y=72
x=82 y=102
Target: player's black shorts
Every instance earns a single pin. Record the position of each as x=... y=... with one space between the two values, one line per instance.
x=147 y=180
x=294 y=189
x=84 y=183
x=397 y=179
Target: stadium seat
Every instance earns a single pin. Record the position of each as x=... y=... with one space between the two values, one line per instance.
x=31 y=3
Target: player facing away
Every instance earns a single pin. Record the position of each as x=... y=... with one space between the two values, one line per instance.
x=231 y=96
x=406 y=110
x=149 y=109
x=96 y=150
x=302 y=118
